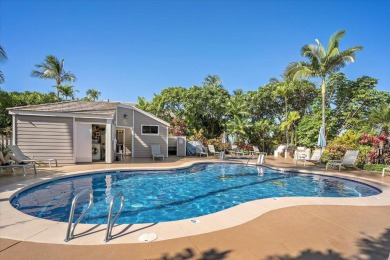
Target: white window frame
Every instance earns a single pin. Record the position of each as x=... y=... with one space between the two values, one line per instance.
x=158 y=130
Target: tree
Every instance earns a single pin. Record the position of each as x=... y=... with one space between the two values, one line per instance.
x=381 y=117
x=212 y=81
x=93 y=94
x=322 y=62
x=3 y=57
x=52 y=68
x=67 y=91
x=290 y=120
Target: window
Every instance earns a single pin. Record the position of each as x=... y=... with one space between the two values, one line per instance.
x=150 y=129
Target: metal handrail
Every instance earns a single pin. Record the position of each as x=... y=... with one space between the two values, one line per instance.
x=72 y=226
x=110 y=224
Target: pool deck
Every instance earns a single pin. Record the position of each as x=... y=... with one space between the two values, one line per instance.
x=283 y=228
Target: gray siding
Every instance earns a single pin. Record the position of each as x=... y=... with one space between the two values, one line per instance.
x=45 y=137
x=142 y=142
x=91 y=120
x=121 y=120
x=128 y=141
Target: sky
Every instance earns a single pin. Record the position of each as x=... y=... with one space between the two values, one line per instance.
x=127 y=49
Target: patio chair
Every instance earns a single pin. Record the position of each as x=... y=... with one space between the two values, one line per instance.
x=235 y=151
x=280 y=151
x=200 y=151
x=156 y=152
x=23 y=158
x=349 y=159
x=316 y=156
x=211 y=149
x=256 y=150
x=24 y=166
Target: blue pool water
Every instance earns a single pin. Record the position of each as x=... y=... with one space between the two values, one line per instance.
x=158 y=196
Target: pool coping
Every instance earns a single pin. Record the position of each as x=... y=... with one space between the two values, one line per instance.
x=17 y=225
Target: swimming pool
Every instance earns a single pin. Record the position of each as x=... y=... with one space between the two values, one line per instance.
x=159 y=196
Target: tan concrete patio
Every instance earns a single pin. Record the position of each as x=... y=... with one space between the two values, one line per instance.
x=294 y=232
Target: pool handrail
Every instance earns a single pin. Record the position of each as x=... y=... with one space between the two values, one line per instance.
x=72 y=226
x=110 y=224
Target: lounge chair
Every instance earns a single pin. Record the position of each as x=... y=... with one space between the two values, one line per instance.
x=23 y=158
x=256 y=150
x=211 y=149
x=200 y=151
x=385 y=169
x=156 y=152
x=13 y=166
x=349 y=159
x=316 y=156
x=235 y=151
x=280 y=151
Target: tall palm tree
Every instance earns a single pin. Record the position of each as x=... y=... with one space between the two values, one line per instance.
x=322 y=62
x=93 y=94
x=212 y=81
x=3 y=57
x=52 y=68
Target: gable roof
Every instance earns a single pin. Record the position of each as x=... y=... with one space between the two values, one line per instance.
x=76 y=107
x=104 y=109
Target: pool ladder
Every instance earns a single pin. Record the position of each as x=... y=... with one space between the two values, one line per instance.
x=110 y=223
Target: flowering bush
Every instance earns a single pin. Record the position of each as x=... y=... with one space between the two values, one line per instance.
x=178 y=127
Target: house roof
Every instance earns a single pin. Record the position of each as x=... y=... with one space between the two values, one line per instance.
x=82 y=108
x=77 y=107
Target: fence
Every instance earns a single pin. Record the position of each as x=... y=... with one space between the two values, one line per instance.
x=5 y=140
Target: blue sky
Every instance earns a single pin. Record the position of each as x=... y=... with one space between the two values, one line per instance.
x=128 y=49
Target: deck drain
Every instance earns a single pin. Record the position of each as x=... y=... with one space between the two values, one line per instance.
x=147 y=237
x=194 y=220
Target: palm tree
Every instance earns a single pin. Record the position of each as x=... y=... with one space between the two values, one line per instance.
x=237 y=127
x=322 y=62
x=3 y=57
x=52 y=68
x=212 y=81
x=290 y=120
x=93 y=94
x=66 y=91
x=381 y=117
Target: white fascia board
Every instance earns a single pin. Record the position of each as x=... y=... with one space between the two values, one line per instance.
x=152 y=116
x=58 y=114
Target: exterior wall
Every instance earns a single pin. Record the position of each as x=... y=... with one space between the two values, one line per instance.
x=45 y=137
x=128 y=141
x=123 y=121
x=92 y=121
x=142 y=142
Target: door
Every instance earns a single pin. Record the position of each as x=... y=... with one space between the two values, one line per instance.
x=83 y=142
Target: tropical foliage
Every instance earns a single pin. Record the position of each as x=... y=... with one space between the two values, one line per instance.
x=53 y=68
x=3 y=57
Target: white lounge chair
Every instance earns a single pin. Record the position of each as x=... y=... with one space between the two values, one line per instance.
x=23 y=158
x=200 y=151
x=349 y=159
x=256 y=150
x=212 y=150
x=316 y=156
x=156 y=152
x=235 y=151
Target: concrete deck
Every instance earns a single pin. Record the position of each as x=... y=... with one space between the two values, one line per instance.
x=287 y=228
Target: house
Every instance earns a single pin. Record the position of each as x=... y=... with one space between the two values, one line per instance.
x=84 y=131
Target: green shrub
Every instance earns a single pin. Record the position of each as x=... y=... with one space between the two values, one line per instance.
x=375 y=167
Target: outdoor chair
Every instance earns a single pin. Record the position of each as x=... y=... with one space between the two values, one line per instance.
x=385 y=169
x=349 y=159
x=24 y=166
x=156 y=152
x=316 y=156
x=211 y=149
x=235 y=151
x=255 y=150
x=200 y=151
x=23 y=158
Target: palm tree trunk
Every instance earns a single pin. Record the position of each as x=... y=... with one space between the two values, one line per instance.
x=285 y=103
x=323 y=102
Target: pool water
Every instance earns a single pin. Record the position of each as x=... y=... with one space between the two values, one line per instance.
x=158 y=196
